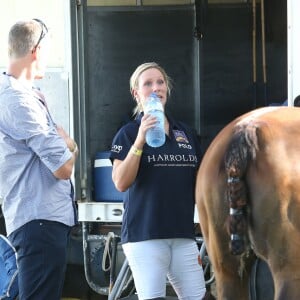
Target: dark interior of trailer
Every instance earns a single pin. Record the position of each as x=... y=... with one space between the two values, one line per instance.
x=206 y=49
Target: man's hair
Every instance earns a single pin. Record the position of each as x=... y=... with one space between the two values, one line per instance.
x=22 y=38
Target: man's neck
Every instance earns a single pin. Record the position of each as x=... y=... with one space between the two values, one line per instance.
x=22 y=70
x=21 y=76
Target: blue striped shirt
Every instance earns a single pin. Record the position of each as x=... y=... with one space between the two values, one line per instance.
x=30 y=151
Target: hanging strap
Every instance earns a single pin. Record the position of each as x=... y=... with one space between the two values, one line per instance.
x=106 y=253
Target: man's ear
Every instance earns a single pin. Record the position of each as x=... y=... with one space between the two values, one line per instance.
x=36 y=52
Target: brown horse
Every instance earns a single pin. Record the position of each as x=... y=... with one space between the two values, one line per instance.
x=248 y=199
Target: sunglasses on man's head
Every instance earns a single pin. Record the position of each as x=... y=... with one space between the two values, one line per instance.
x=42 y=35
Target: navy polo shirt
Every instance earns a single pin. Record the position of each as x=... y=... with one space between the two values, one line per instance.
x=160 y=202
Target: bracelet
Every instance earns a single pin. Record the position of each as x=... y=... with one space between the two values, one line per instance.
x=136 y=151
x=75 y=148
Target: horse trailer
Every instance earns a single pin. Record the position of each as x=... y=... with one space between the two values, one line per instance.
x=225 y=57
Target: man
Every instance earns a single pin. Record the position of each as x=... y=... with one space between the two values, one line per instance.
x=36 y=162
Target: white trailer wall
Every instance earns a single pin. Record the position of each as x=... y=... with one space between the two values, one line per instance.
x=55 y=14
x=293 y=50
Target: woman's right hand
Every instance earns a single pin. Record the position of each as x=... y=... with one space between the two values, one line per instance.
x=147 y=121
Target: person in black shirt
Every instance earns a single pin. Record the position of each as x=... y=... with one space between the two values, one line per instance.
x=158 y=224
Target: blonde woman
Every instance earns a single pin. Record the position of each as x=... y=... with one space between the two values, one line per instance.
x=158 y=228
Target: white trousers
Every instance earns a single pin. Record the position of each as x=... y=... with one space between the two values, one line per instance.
x=153 y=261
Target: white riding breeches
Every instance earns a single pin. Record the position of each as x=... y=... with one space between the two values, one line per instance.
x=153 y=261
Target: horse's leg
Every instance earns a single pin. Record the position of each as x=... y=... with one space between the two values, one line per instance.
x=287 y=289
x=286 y=271
x=230 y=285
x=212 y=216
x=275 y=226
x=285 y=265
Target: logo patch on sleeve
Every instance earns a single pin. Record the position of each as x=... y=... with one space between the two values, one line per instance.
x=116 y=148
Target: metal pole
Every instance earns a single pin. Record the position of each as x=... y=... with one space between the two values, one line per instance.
x=254 y=50
x=263 y=50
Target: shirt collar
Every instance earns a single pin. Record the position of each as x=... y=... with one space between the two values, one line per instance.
x=21 y=84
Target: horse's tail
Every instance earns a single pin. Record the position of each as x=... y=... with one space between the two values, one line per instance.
x=241 y=150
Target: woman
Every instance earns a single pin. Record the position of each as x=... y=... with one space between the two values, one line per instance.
x=158 y=228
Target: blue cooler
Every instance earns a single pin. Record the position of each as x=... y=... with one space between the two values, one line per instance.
x=104 y=188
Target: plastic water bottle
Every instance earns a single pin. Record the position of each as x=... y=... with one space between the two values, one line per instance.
x=155 y=136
